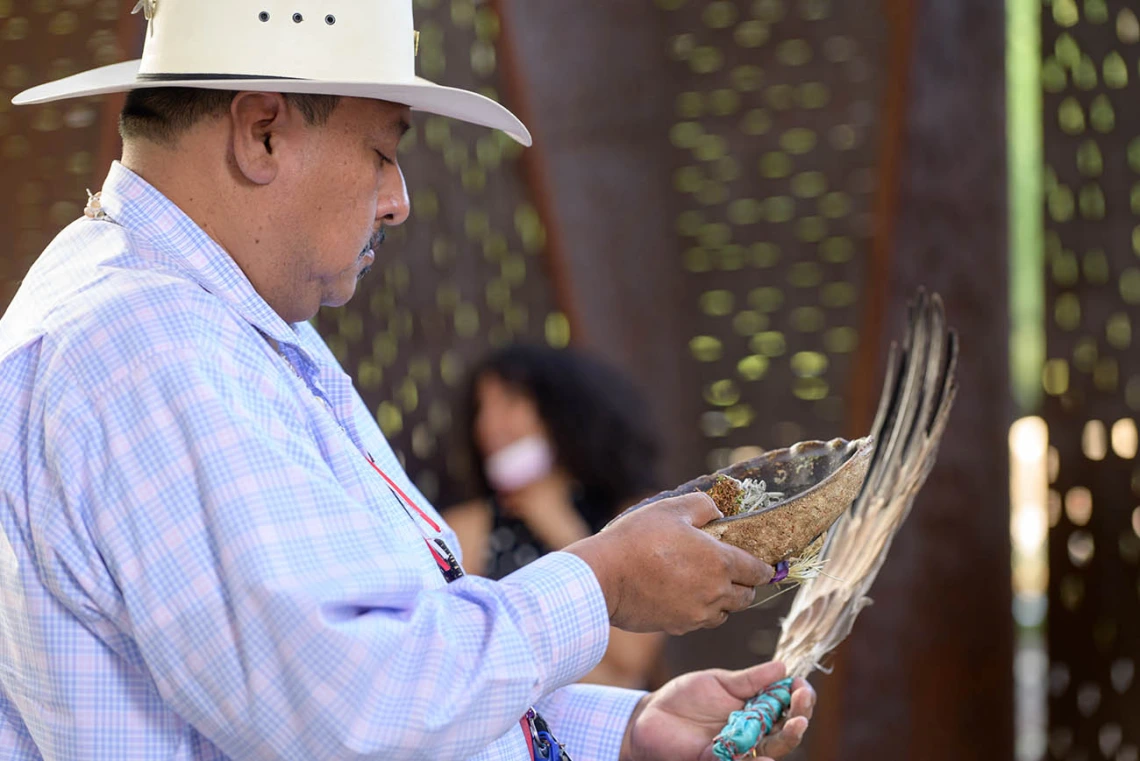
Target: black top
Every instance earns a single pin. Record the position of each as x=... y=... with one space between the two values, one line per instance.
x=511 y=545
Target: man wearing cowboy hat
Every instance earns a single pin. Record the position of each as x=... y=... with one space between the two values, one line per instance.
x=207 y=549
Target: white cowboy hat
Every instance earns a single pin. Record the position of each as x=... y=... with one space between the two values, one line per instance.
x=353 y=48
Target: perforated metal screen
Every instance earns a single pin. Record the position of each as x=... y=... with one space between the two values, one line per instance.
x=776 y=129
x=1092 y=139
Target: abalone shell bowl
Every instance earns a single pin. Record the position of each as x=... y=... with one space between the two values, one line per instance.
x=819 y=481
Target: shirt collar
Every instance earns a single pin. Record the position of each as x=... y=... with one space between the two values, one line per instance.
x=140 y=208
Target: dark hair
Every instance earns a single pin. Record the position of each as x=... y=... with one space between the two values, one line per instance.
x=598 y=422
x=161 y=114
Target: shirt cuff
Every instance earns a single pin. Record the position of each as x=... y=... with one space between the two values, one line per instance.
x=590 y=720
x=565 y=614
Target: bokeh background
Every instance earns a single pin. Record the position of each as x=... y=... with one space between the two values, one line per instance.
x=732 y=201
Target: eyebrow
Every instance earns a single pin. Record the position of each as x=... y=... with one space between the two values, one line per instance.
x=400 y=127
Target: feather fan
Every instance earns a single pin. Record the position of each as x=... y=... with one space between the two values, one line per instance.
x=913 y=409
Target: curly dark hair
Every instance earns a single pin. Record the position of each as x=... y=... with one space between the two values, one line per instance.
x=599 y=423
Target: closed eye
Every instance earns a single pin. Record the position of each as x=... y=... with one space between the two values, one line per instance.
x=384 y=159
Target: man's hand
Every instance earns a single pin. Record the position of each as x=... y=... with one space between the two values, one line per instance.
x=679 y=721
x=659 y=572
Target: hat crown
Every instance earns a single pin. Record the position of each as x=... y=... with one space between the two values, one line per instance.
x=330 y=40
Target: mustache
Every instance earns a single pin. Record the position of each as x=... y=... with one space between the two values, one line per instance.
x=375 y=241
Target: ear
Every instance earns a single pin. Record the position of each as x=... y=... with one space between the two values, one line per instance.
x=261 y=122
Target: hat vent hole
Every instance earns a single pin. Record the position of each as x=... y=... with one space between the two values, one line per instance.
x=264 y=16
x=330 y=19
x=298 y=18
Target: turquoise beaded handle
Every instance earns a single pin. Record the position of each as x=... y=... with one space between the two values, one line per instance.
x=747 y=727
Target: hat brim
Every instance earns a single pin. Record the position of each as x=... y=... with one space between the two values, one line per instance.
x=419 y=94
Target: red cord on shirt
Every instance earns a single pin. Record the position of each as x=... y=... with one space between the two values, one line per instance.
x=446 y=567
x=403 y=496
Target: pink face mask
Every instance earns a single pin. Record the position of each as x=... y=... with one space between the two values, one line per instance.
x=519 y=464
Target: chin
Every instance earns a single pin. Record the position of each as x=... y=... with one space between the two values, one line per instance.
x=297 y=316
x=340 y=296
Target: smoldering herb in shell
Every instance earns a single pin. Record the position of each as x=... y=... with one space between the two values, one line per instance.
x=734 y=497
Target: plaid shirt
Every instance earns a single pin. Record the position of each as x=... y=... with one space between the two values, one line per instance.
x=198 y=562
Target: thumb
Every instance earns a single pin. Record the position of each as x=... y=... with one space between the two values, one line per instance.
x=746 y=684
x=697 y=508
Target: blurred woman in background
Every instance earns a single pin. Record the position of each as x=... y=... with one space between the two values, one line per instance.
x=559 y=444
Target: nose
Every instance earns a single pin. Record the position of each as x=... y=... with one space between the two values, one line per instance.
x=393 y=206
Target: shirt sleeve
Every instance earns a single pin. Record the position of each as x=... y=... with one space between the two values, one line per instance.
x=278 y=614
x=590 y=719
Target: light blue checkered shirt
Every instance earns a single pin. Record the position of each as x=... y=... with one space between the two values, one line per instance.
x=198 y=562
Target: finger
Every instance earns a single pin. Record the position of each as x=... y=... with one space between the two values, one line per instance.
x=698 y=508
x=740 y=597
x=786 y=740
x=714 y=621
x=748 y=683
x=744 y=569
x=708 y=755
x=803 y=700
